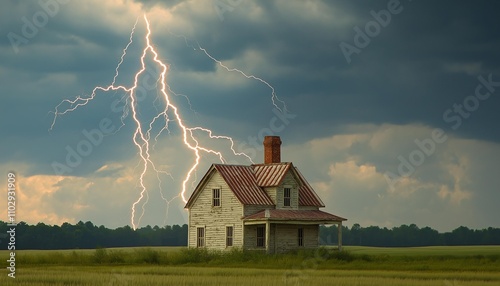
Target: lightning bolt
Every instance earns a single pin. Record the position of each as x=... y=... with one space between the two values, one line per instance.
x=142 y=137
x=274 y=97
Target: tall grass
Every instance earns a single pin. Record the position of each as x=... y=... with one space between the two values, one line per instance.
x=148 y=275
x=323 y=266
x=180 y=257
x=321 y=258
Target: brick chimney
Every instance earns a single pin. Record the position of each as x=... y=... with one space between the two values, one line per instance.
x=272 y=149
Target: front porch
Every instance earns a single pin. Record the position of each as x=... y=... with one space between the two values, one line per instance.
x=276 y=231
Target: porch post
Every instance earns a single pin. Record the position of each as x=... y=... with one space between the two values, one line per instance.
x=268 y=240
x=340 y=235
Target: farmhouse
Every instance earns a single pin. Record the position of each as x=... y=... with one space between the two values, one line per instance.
x=266 y=206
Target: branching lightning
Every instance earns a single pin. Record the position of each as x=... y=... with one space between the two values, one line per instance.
x=142 y=138
x=274 y=97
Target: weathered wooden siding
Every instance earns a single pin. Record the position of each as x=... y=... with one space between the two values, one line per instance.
x=215 y=219
x=251 y=236
x=287 y=237
x=272 y=244
x=283 y=237
x=311 y=236
x=288 y=181
x=251 y=209
x=271 y=191
x=250 y=239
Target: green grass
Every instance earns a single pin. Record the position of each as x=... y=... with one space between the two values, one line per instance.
x=474 y=265
x=189 y=275
x=426 y=250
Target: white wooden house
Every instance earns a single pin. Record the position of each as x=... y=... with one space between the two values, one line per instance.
x=266 y=206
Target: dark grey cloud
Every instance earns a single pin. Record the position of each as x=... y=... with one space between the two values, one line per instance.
x=427 y=59
x=400 y=77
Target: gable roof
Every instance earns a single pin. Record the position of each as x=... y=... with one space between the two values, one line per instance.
x=307 y=195
x=248 y=183
x=241 y=180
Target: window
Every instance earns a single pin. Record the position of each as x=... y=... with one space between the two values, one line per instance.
x=200 y=237
x=229 y=236
x=301 y=236
x=261 y=236
x=286 y=197
x=216 y=197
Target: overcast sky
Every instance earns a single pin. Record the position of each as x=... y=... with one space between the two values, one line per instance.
x=391 y=106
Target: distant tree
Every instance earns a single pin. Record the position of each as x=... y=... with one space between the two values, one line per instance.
x=88 y=235
x=409 y=235
x=429 y=236
x=356 y=232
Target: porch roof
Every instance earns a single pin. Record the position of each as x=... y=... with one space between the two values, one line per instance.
x=293 y=215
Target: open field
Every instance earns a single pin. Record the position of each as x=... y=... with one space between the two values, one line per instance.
x=392 y=251
x=427 y=250
x=475 y=265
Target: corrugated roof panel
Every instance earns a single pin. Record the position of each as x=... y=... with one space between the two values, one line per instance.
x=307 y=195
x=309 y=215
x=247 y=183
x=241 y=180
x=270 y=175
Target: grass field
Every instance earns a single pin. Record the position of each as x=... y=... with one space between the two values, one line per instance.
x=465 y=265
x=427 y=250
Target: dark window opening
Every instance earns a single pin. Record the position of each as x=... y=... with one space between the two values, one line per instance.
x=216 y=197
x=261 y=236
x=301 y=237
x=287 y=197
x=200 y=237
x=229 y=236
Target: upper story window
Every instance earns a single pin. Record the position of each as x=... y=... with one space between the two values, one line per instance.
x=216 y=197
x=287 y=195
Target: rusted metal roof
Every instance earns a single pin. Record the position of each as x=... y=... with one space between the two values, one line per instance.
x=248 y=183
x=242 y=181
x=270 y=175
x=307 y=195
x=304 y=215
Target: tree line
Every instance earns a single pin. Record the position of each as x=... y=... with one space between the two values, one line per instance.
x=86 y=235
x=409 y=235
